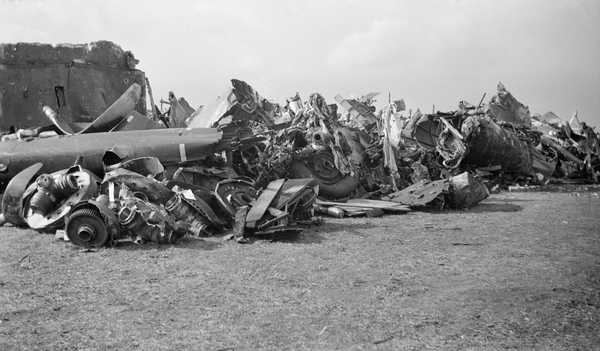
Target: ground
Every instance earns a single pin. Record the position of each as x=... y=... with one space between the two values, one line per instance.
x=520 y=271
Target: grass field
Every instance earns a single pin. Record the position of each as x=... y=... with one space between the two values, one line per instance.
x=520 y=271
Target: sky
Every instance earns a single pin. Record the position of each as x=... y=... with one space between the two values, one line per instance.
x=547 y=53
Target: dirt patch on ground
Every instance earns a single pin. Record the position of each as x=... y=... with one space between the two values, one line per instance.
x=519 y=271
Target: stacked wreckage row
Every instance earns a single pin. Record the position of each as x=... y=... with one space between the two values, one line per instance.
x=249 y=167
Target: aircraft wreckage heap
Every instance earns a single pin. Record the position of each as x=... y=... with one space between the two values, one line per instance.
x=81 y=153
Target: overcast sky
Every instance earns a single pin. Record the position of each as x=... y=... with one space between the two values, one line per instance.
x=547 y=53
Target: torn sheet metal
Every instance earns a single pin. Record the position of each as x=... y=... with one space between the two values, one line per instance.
x=106 y=121
x=389 y=153
x=211 y=114
x=12 y=199
x=550 y=118
x=466 y=191
x=575 y=124
x=145 y=166
x=240 y=102
x=179 y=111
x=263 y=202
x=116 y=111
x=293 y=203
x=421 y=194
x=461 y=191
x=504 y=107
x=292 y=190
x=136 y=121
x=359 y=114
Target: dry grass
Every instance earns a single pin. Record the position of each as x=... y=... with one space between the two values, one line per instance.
x=519 y=271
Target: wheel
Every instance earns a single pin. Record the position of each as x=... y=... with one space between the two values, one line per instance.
x=85 y=227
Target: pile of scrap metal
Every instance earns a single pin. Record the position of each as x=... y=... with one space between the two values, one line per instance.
x=135 y=201
x=243 y=163
x=438 y=160
x=251 y=167
x=146 y=182
x=352 y=157
x=502 y=143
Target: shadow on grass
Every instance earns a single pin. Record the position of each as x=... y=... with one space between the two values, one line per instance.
x=483 y=207
x=183 y=243
x=351 y=227
x=309 y=236
x=510 y=200
x=347 y=224
x=494 y=207
x=199 y=243
x=313 y=234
